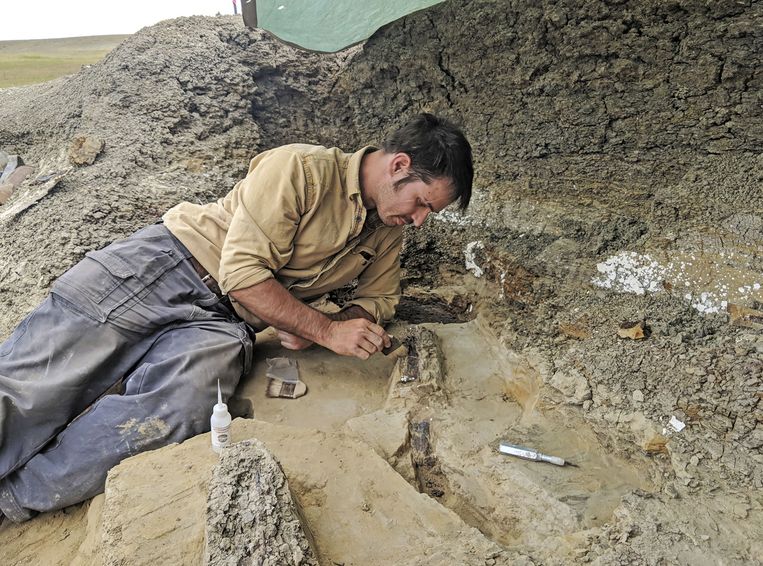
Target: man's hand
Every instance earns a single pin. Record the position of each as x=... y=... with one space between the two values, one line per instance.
x=292 y=341
x=357 y=337
x=273 y=304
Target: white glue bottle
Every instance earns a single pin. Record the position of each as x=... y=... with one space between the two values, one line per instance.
x=220 y=423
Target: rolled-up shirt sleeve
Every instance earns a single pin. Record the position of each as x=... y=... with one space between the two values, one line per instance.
x=260 y=240
x=378 y=291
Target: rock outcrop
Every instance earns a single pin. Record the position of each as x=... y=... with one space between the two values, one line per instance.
x=251 y=516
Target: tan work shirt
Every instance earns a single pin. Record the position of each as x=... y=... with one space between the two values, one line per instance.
x=297 y=216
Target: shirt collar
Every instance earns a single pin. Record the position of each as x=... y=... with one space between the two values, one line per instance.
x=353 y=170
x=352 y=181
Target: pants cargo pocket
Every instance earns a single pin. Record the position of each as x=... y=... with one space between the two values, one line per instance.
x=108 y=284
x=97 y=285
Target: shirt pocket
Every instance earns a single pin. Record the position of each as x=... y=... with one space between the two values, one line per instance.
x=337 y=272
x=352 y=265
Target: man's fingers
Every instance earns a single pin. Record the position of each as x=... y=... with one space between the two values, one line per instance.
x=361 y=353
x=384 y=338
x=365 y=346
x=376 y=329
x=287 y=340
x=291 y=341
x=375 y=339
x=290 y=344
x=369 y=345
x=358 y=337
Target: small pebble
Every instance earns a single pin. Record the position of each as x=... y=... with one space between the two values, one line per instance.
x=741 y=510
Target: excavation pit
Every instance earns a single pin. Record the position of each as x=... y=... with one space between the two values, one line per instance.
x=440 y=432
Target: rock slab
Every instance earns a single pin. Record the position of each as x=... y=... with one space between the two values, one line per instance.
x=84 y=150
x=154 y=510
x=251 y=516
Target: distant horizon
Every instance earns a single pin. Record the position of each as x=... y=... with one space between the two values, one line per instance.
x=69 y=37
x=49 y=19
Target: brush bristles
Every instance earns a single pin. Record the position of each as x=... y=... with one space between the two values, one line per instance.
x=285 y=389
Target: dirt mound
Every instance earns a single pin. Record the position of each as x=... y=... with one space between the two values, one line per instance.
x=618 y=152
x=180 y=109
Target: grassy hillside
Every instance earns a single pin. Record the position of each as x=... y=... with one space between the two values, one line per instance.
x=37 y=60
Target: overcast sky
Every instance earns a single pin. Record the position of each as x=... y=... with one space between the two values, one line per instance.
x=38 y=19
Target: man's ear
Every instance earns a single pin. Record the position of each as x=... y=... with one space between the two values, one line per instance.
x=400 y=164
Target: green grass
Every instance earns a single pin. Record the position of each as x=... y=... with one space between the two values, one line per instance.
x=35 y=61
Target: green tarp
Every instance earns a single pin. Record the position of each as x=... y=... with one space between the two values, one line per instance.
x=327 y=25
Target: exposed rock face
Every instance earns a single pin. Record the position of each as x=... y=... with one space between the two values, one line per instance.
x=251 y=516
x=580 y=99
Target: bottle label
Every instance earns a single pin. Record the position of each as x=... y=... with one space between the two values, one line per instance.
x=221 y=436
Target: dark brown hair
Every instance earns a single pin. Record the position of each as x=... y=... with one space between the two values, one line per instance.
x=437 y=149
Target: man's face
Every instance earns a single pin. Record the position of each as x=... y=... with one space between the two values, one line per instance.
x=410 y=202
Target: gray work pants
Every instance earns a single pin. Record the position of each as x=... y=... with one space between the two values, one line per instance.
x=135 y=311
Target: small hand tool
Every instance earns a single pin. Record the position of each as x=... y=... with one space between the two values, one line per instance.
x=284 y=381
x=394 y=345
x=530 y=454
